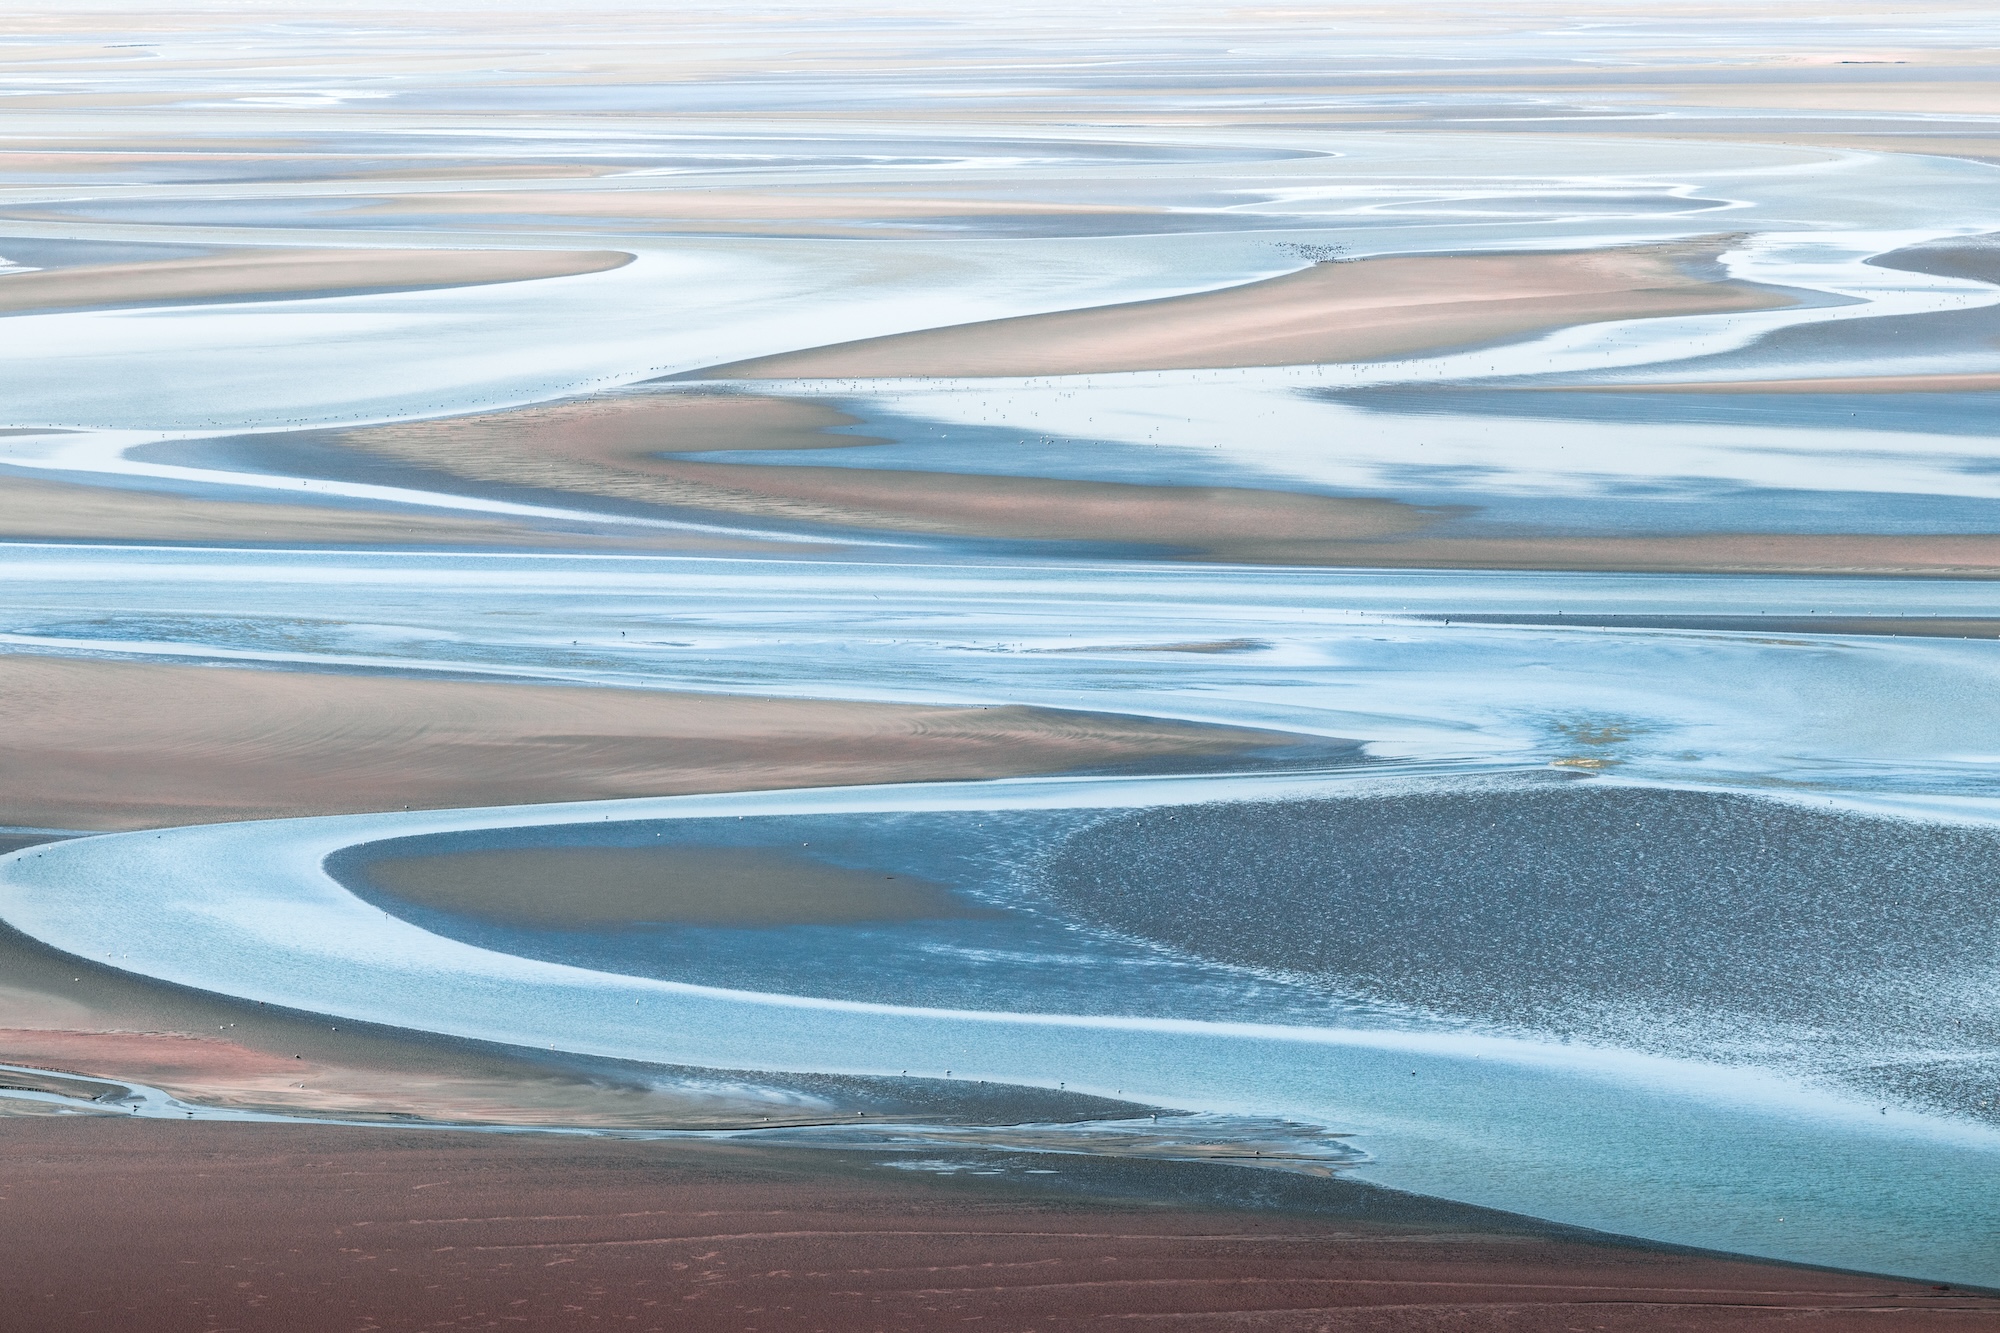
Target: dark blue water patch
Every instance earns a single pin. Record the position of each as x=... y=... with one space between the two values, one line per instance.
x=1962 y=414
x=1700 y=923
x=1018 y=955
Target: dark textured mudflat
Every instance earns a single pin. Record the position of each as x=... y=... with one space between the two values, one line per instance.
x=1686 y=921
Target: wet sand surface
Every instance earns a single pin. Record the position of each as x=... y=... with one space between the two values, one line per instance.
x=1364 y=310
x=1229 y=522
x=1923 y=554
x=119 y=745
x=199 y=1226
x=593 y=887
x=784 y=212
x=1970 y=382
x=1924 y=627
x=612 y=446
x=259 y=1227
x=586 y=444
x=271 y=274
x=32 y=508
x=623 y=447
x=86 y=1018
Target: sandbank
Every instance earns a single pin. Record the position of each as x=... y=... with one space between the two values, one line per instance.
x=584 y=888
x=84 y=1020
x=267 y=274
x=1363 y=310
x=606 y=444
x=119 y=745
x=1935 y=555
x=1964 y=382
x=302 y=1229
x=88 y=1018
x=1215 y=519
x=1915 y=627
x=1228 y=524
x=611 y=447
x=33 y=508
x=714 y=205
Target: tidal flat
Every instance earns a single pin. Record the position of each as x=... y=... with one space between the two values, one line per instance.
x=1331 y=652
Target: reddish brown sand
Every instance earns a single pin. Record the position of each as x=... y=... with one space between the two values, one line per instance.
x=166 y=1228
x=111 y=745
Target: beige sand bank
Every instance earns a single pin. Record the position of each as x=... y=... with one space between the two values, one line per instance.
x=91 y=160
x=109 y=745
x=1914 y=627
x=1946 y=555
x=713 y=205
x=1978 y=382
x=572 y=888
x=85 y=1017
x=1219 y=520
x=605 y=445
x=32 y=508
x=608 y=447
x=270 y=273
x=1210 y=523
x=1366 y=310
x=1941 y=97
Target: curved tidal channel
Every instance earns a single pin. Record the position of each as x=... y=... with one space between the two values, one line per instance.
x=1492 y=1073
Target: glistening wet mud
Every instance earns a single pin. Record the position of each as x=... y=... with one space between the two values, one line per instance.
x=1692 y=923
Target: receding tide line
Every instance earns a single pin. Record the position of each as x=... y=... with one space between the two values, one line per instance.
x=1676 y=1150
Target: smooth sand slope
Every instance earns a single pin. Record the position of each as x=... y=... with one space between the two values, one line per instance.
x=591 y=888
x=264 y=274
x=1968 y=382
x=32 y=508
x=611 y=446
x=779 y=211
x=1367 y=310
x=116 y=745
x=84 y=1020
x=1923 y=555
x=195 y=1227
